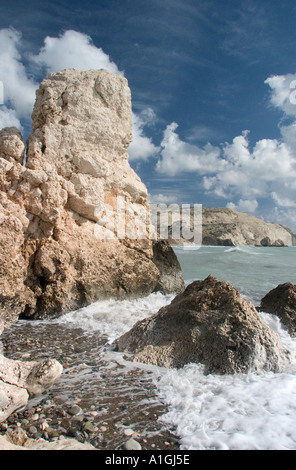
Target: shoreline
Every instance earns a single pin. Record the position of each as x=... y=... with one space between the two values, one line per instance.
x=107 y=421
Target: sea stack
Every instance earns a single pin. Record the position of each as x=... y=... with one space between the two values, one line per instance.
x=60 y=244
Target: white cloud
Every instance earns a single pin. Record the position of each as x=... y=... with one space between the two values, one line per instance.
x=244 y=205
x=283 y=201
x=286 y=217
x=142 y=146
x=178 y=156
x=235 y=171
x=283 y=92
x=236 y=167
x=73 y=50
x=19 y=89
x=8 y=118
x=160 y=198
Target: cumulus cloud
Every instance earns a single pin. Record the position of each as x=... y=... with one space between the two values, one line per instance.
x=8 y=118
x=18 y=87
x=244 y=205
x=235 y=171
x=178 y=156
x=168 y=198
x=73 y=49
x=142 y=146
x=283 y=92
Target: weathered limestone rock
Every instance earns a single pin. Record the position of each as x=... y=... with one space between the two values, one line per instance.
x=228 y=227
x=209 y=323
x=21 y=379
x=74 y=221
x=14 y=295
x=281 y=301
x=12 y=146
x=15 y=441
x=171 y=278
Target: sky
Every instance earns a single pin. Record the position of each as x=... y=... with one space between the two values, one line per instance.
x=213 y=89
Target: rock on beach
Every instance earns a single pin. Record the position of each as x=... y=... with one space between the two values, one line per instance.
x=20 y=380
x=281 y=302
x=209 y=323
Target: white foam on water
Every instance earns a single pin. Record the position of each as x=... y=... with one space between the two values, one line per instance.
x=242 y=249
x=236 y=412
x=241 y=411
x=113 y=318
x=233 y=412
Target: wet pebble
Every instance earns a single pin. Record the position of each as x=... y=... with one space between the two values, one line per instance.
x=75 y=410
x=132 y=444
x=103 y=407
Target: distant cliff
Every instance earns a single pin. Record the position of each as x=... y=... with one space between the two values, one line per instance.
x=226 y=227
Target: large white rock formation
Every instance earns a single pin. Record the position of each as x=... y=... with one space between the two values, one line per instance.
x=75 y=220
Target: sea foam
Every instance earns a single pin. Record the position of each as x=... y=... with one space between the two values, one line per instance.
x=241 y=411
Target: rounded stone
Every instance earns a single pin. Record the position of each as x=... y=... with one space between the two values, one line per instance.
x=132 y=444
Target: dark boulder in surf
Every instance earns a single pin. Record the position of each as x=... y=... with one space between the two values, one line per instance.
x=209 y=323
x=281 y=301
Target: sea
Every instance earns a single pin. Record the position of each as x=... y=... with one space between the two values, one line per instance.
x=207 y=412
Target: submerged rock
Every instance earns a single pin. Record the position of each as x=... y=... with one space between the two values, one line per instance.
x=209 y=323
x=281 y=301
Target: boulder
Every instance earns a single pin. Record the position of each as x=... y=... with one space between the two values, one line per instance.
x=15 y=441
x=209 y=323
x=281 y=301
x=75 y=220
x=171 y=279
x=20 y=380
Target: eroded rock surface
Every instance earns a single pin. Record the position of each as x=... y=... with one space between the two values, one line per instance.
x=20 y=380
x=74 y=221
x=281 y=301
x=228 y=227
x=19 y=441
x=209 y=323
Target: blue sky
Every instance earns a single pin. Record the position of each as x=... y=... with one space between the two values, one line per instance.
x=211 y=81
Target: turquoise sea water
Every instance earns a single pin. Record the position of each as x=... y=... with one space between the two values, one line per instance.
x=231 y=412
x=254 y=271
x=234 y=412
